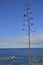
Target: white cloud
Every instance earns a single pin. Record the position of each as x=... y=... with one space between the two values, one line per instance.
x=22 y=42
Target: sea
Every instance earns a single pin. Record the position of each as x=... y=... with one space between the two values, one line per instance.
x=19 y=56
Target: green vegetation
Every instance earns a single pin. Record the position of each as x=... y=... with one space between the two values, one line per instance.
x=37 y=61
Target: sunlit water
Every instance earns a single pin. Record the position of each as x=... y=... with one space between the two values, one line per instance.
x=20 y=55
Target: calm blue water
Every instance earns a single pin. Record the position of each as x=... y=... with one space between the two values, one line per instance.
x=20 y=55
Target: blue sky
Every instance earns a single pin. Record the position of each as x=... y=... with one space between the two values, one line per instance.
x=11 y=19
